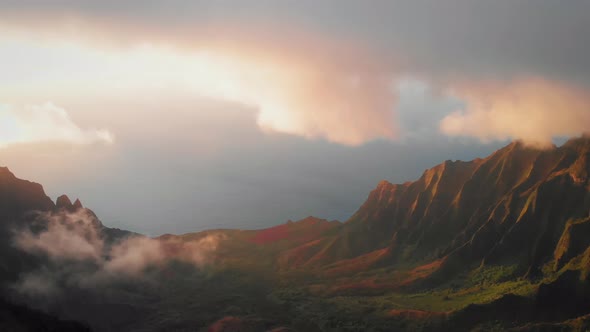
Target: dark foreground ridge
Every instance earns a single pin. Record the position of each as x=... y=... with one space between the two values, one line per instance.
x=498 y=243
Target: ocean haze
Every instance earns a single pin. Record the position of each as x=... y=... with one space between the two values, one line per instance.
x=154 y=182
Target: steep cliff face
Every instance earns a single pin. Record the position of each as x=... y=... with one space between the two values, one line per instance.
x=17 y=198
x=24 y=205
x=573 y=242
x=20 y=196
x=509 y=207
x=525 y=224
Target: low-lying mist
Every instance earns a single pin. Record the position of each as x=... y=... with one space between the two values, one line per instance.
x=76 y=251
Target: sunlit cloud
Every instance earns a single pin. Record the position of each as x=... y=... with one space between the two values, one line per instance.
x=300 y=97
x=303 y=85
x=301 y=80
x=531 y=110
x=44 y=123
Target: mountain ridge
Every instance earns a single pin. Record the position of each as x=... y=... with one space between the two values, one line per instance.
x=479 y=186
x=497 y=239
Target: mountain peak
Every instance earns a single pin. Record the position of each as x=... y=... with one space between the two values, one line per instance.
x=578 y=142
x=63 y=202
x=383 y=183
x=5 y=172
x=18 y=196
x=77 y=204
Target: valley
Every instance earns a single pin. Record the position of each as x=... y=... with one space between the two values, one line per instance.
x=499 y=243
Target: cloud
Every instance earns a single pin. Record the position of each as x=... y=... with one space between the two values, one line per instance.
x=431 y=36
x=300 y=82
x=44 y=123
x=133 y=255
x=33 y=284
x=344 y=102
x=532 y=110
x=80 y=255
x=69 y=236
x=312 y=74
x=198 y=251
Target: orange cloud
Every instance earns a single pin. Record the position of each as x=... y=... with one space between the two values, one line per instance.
x=532 y=110
x=305 y=97
x=300 y=83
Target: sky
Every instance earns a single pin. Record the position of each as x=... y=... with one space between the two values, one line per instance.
x=177 y=116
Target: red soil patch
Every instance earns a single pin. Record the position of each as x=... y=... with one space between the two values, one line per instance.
x=227 y=324
x=423 y=271
x=270 y=235
x=357 y=264
x=298 y=256
x=297 y=232
x=375 y=285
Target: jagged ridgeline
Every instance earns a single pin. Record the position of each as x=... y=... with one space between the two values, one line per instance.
x=499 y=243
x=512 y=206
